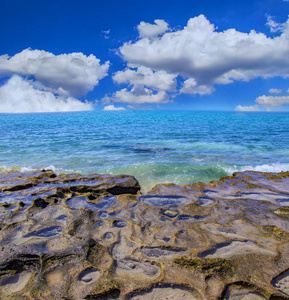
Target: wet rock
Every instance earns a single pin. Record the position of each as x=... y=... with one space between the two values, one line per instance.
x=164 y=201
x=166 y=292
x=39 y=202
x=170 y=213
x=281 y=283
x=89 y=275
x=239 y=293
x=236 y=248
x=111 y=294
x=138 y=269
x=97 y=237
x=15 y=283
x=162 y=253
x=45 y=233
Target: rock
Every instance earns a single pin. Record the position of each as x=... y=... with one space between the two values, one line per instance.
x=239 y=293
x=97 y=237
x=139 y=270
x=169 y=292
x=281 y=283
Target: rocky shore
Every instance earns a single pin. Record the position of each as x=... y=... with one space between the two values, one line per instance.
x=76 y=236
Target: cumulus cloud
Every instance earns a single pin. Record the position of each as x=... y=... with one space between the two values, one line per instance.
x=272 y=101
x=275 y=91
x=205 y=57
x=74 y=73
x=267 y=102
x=145 y=86
x=190 y=86
x=112 y=108
x=140 y=94
x=20 y=96
x=158 y=80
x=247 y=108
x=152 y=30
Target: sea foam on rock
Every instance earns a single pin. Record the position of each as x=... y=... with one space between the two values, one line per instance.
x=97 y=237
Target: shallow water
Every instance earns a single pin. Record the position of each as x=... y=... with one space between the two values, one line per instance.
x=155 y=146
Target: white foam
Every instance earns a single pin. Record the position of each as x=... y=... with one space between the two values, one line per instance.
x=24 y=169
x=27 y=169
x=275 y=167
x=53 y=168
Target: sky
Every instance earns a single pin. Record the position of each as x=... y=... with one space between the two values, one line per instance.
x=158 y=55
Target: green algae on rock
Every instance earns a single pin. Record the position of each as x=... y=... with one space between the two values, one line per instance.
x=209 y=266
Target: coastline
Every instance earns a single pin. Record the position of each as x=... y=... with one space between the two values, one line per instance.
x=89 y=236
x=153 y=146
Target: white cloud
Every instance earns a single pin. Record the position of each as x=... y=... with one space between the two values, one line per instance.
x=190 y=86
x=275 y=91
x=272 y=101
x=274 y=26
x=247 y=108
x=159 y=80
x=112 y=108
x=146 y=86
x=139 y=95
x=152 y=30
x=266 y=102
x=19 y=96
x=74 y=73
x=288 y=89
x=106 y=33
x=200 y=52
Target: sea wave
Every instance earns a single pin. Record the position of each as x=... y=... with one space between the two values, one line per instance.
x=275 y=167
x=4 y=168
x=152 y=173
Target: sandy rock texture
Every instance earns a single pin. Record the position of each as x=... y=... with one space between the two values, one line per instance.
x=74 y=236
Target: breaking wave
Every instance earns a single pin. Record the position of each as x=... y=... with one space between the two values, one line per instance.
x=275 y=167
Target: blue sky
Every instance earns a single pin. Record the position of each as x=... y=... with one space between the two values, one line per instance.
x=199 y=55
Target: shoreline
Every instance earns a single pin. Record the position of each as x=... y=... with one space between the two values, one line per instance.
x=147 y=185
x=89 y=236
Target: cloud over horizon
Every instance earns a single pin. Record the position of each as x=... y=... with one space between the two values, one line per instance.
x=112 y=108
x=247 y=108
x=21 y=96
x=205 y=57
x=266 y=102
x=272 y=101
x=138 y=95
x=75 y=73
x=57 y=80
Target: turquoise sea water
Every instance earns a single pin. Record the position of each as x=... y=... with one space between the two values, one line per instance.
x=155 y=146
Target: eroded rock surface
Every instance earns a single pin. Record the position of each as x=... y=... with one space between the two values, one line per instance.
x=97 y=237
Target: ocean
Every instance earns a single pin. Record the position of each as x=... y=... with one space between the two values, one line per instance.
x=179 y=147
